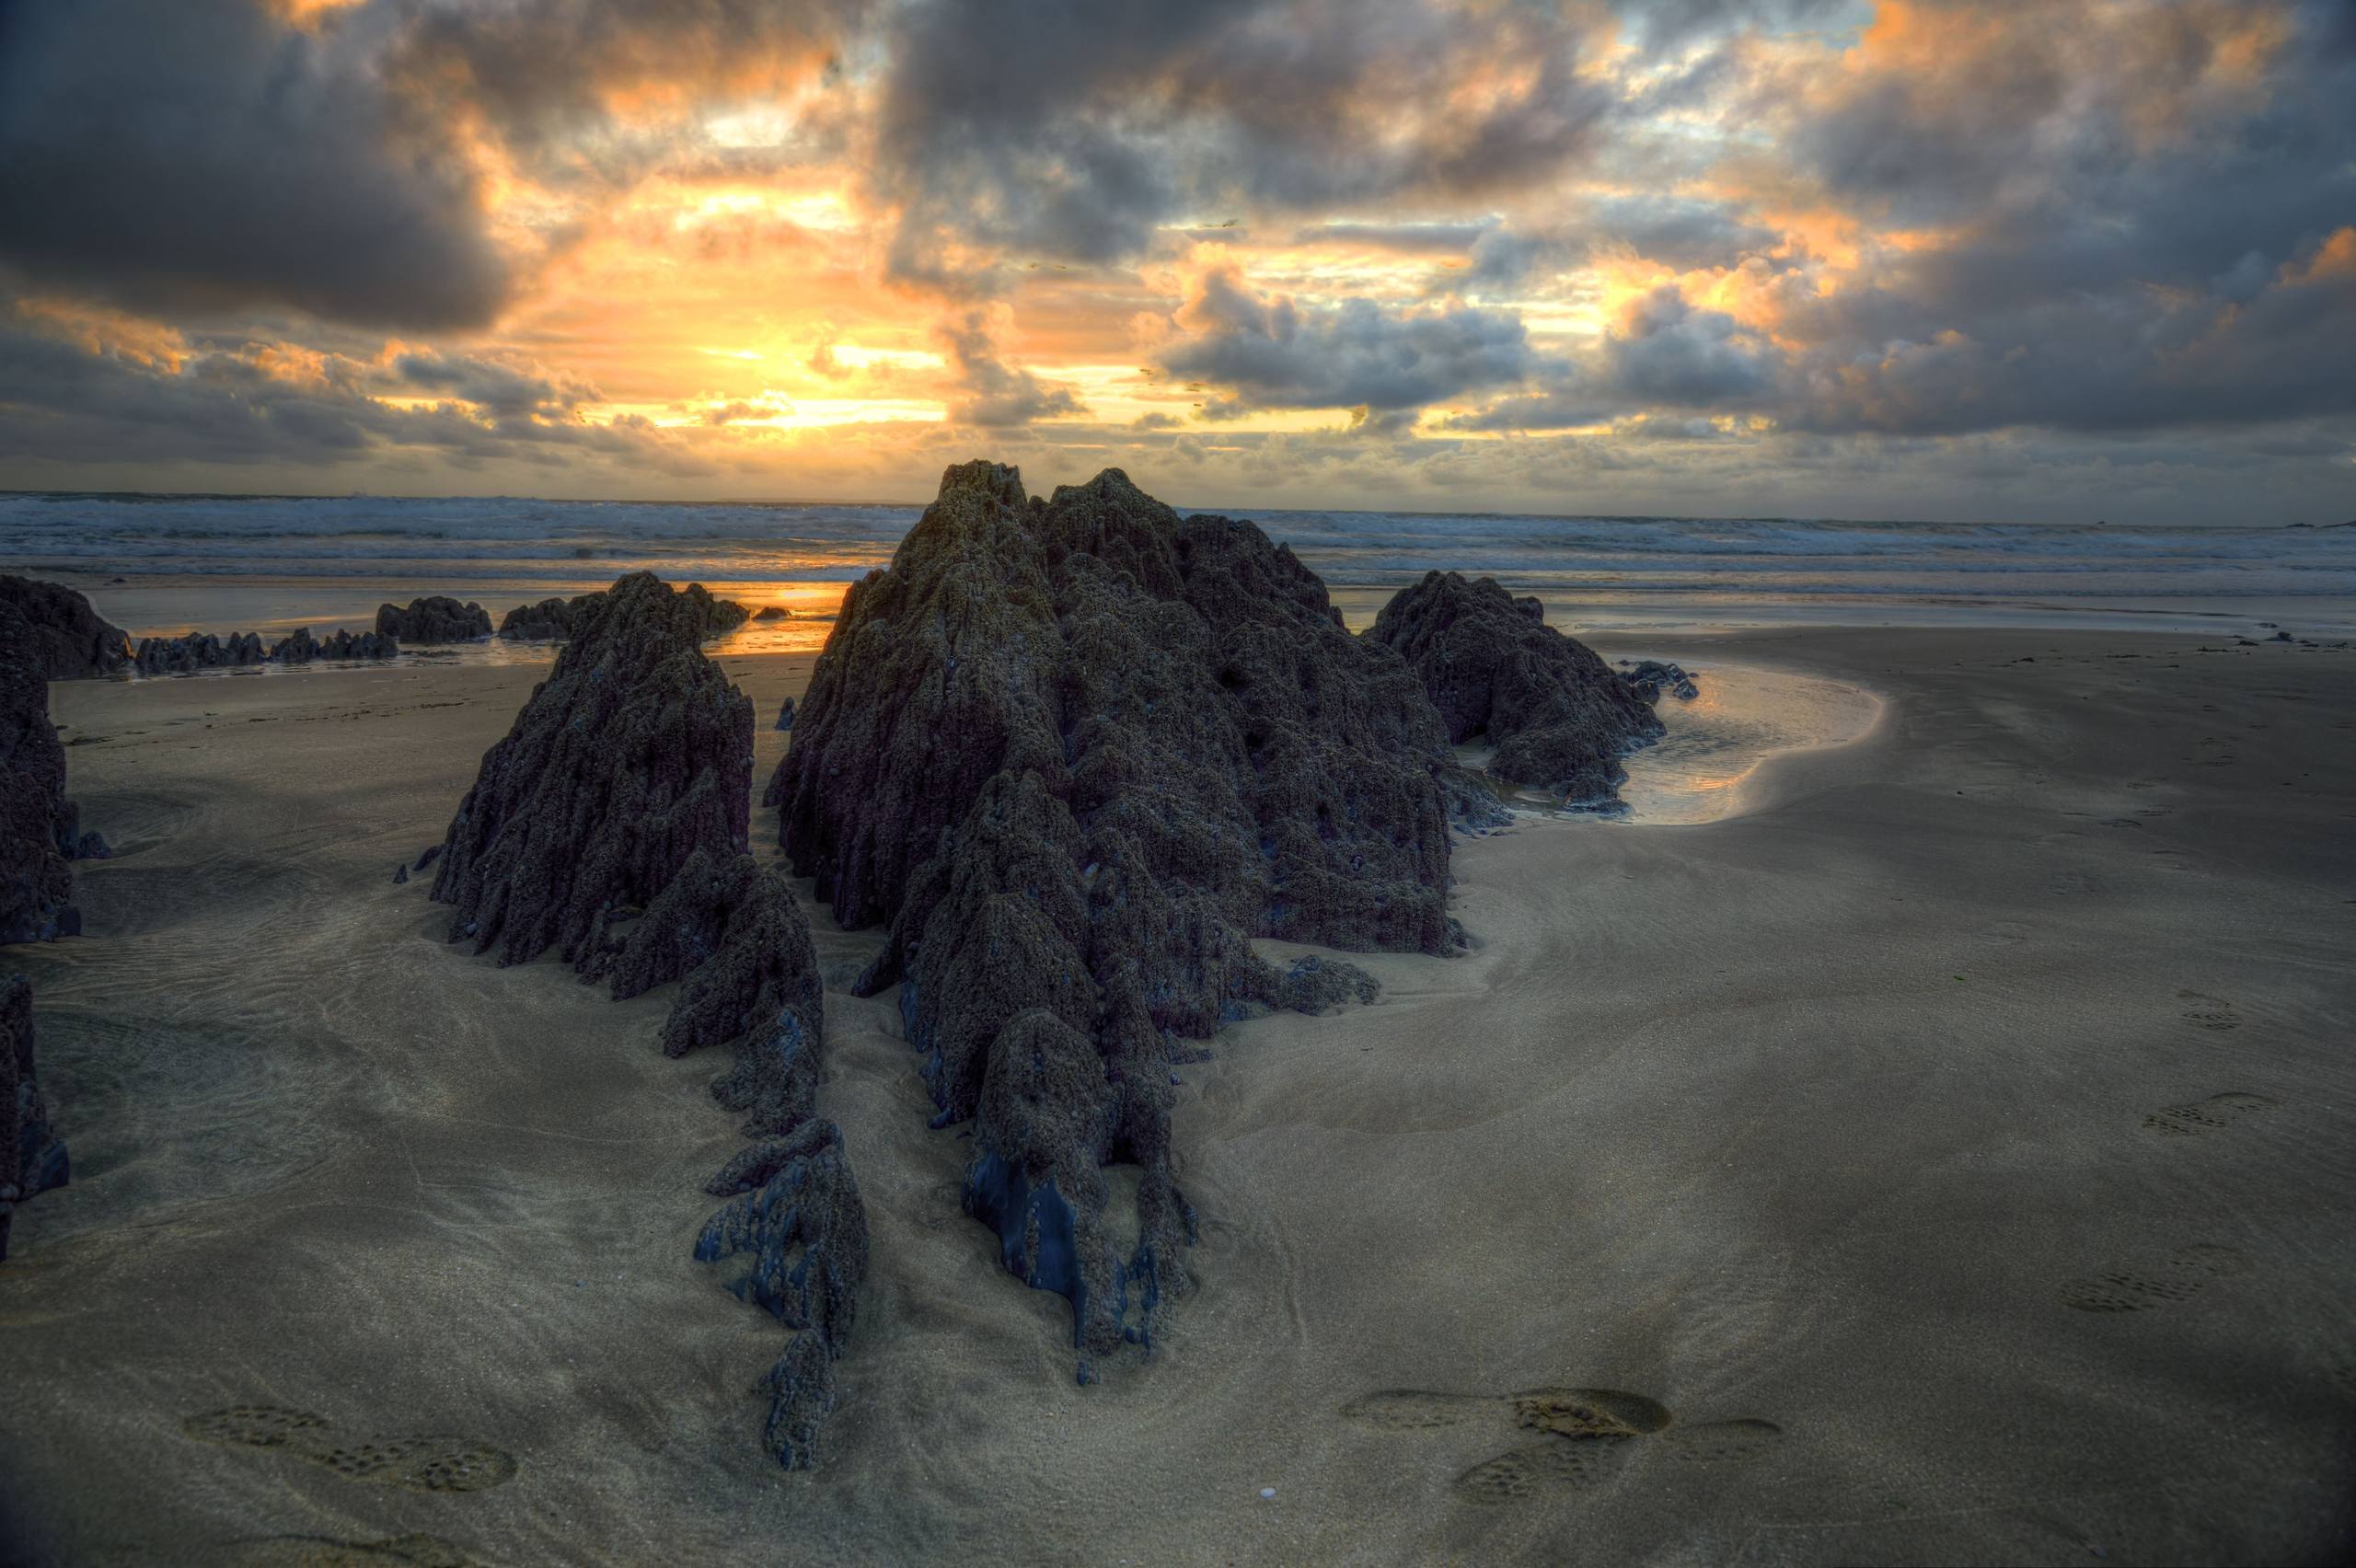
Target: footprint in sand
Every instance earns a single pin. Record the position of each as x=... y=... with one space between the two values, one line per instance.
x=424 y=1463
x=2217 y=1110
x=2208 y=1011
x=1593 y=1435
x=2182 y=1276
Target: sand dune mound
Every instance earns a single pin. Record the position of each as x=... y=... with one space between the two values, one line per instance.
x=611 y=824
x=32 y=1159
x=1558 y=715
x=1077 y=753
x=71 y=639
x=434 y=619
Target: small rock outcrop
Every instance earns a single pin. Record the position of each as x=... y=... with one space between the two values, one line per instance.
x=40 y=828
x=772 y=613
x=612 y=825
x=1652 y=677
x=434 y=619
x=1558 y=716
x=784 y=721
x=32 y=1159
x=1077 y=753
x=70 y=638
x=198 y=651
x=554 y=620
x=302 y=648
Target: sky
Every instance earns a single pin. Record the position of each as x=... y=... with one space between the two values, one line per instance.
x=2055 y=259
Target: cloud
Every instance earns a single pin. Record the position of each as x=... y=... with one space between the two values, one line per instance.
x=1669 y=353
x=202 y=156
x=1270 y=353
x=993 y=394
x=1536 y=411
x=1071 y=130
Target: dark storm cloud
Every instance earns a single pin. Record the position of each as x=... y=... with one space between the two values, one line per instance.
x=1272 y=354
x=503 y=390
x=993 y=394
x=60 y=401
x=198 y=156
x=1071 y=129
x=1672 y=354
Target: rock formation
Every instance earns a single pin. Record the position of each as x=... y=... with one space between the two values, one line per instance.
x=611 y=824
x=435 y=618
x=196 y=650
x=1078 y=753
x=553 y=620
x=71 y=639
x=302 y=648
x=31 y=1158
x=772 y=613
x=1557 y=715
x=1652 y=677
x=40 y=828
x=784 y=721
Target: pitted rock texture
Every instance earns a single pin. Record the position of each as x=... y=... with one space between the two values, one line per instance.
x=196 y=651
x=611 y=824
x=32 y=1159
x=40 y=829
x=554 y=620
x=69 y=638
x=1558 y=716
x=635 y=753
x=1078 y=753
x=302 y=648
x=437 y=618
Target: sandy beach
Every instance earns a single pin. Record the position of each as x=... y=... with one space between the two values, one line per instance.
x=1948 y=1158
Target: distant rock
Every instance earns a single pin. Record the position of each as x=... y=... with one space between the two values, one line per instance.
x=40 y=828
x=554 y=620
x=198 y=651
x=772 y=613
x=1077 y=753
x=435 y=618
x=33 y=1159
x=1558 y=716
x=611 y=824
x=71 y=639
x=784 y=718
x=302 y=648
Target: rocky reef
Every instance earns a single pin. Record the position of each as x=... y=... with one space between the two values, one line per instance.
x=1077 y=753
x=772 y=613
x=554 y=620
x=434 y=619
x=32 y=1159
x=40 y=828
x=1558 y=716
x=196 y=650
x=302 y=648
x=71 y=639
x=612 y=824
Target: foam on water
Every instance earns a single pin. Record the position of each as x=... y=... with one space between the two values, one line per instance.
x=1710 y=764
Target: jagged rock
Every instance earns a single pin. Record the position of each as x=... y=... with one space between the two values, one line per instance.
x=1651 y=677
x=611 y=824
x=1078 y=753
x=772 y=611
x=40 y=829
x=434 y=619
x=400 y=875
x=635 y=753
x=302 y=648
x=1558 y=716
x=798 y=1236
x=554 y=620
x=197 y=651
x=32 y=1159
x=71 y=639
x=784 y=721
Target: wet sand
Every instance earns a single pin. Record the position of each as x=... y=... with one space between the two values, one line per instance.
x=1952 y=1159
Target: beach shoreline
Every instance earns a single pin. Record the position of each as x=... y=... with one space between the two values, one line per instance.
x=1839 y=1129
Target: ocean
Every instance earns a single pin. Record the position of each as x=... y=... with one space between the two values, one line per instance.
x=225 y=563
